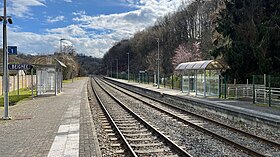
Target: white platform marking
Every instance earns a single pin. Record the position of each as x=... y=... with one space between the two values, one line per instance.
x=66 y=142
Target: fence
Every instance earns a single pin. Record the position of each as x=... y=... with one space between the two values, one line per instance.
x=266 y=89
x=236 y=91
x=263 y=88
x=24 y=81
x=171 y=81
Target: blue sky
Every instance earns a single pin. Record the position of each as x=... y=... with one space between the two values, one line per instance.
x=91 y=26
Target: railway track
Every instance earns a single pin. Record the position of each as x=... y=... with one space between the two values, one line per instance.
x=129 y=134
x=109 y=144
x=253 y=145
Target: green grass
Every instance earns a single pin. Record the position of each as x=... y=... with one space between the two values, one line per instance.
x=14 y=98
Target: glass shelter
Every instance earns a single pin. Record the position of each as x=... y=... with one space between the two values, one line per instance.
x=201 y=77
x=49 y=77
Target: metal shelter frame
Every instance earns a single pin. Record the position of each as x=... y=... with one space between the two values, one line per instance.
x=201 y=77
x=49 y=78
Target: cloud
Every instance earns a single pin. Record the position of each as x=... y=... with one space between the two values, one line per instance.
x=55 y=19
x=71 y=30
x=90 y=35
x=21 y=8
x=79 y=13
x=125 y=25
x=69 y=1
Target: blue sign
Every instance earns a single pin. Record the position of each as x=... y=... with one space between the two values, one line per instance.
x=12 y=50
x=19 y=66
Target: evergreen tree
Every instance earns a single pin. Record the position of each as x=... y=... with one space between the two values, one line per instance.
x=246 y=36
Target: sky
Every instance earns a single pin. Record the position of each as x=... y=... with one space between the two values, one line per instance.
x=90 y=26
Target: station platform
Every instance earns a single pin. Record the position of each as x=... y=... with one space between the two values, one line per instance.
x=242 y=109
x=51 y=126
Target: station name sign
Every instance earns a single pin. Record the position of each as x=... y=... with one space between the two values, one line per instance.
x=19 y=66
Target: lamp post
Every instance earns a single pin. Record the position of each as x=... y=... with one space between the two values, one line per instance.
x=5 y=63
x=60 y=41
x=128 y=66
x=158 y=64
x=117 y=68
x=111 y=70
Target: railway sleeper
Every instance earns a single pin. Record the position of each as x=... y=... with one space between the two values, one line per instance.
x=109 y=130
x=106 y=127
x=145 y=144
x=140 y=139
x=138 y=134
x=127 y=124
x=119 y=151
x=172 y=156
x=111 y=134
x=132 y=131
x=113 y=139
x=115 y=144
x=125 y=120
x=130 y=127
x=149 y=151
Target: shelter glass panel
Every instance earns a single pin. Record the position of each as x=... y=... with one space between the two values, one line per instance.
x=192 y=80
x=185 y=84
x=212 y=82
x=200 y=82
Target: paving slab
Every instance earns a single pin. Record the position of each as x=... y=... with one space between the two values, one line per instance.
x=49 y=125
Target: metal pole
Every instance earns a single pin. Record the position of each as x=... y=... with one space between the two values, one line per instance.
x=172 y=82
x=254 y=90
x=158 y=64
x=111 y=70
x=128 y=67
x=117 y=68
x=5 y=66
x=72 y=76
x=55 y=82
x=14 y=83
x=60 y=49
x=37 y=79
x=205 y=85
x=61 y=78
x=32 y=88
x=61 y=44
x=18 y=83
x=225 y=78
x=264 y=91
x=269 y=91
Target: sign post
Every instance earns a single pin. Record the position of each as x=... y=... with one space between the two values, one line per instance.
x=21 y=67
x=32 y=83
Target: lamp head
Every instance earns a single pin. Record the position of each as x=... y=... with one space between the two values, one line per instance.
x=10 y=20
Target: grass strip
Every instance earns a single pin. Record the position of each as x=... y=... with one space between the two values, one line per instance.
x=14 y=97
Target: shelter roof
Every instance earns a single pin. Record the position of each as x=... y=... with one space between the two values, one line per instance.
x=202 y=65
x=47 y=61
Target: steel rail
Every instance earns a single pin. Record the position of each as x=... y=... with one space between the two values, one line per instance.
x=166 y=139
x=204 y=118
x=127 y=145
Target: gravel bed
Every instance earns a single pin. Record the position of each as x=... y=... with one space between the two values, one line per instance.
x=102 y=135
x=250 y=142
x=122 y=118
x=268 y=132
x=193 y=141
